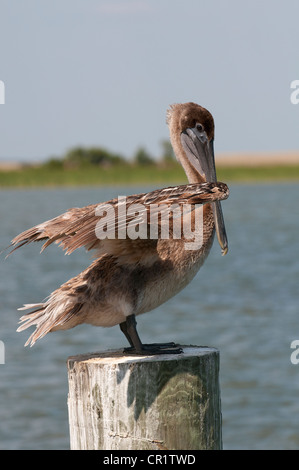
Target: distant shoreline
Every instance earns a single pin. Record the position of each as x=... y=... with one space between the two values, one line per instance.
x=258 y=159
x=224 y=159
x=240 y=168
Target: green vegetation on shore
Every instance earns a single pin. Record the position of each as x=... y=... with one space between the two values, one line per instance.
x=90 y=176
x=97 y=166
x=129 y=175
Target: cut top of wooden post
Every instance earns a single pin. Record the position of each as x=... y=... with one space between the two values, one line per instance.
x=117 y=356
x=123 y=402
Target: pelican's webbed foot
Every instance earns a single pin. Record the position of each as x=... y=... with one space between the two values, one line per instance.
x=137 y=348
x=154 y=349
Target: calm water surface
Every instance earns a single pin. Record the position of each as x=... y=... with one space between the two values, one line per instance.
x=245 y=304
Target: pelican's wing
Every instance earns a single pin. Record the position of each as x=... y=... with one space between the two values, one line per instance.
x=82 y=227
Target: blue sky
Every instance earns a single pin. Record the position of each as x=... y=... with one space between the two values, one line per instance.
x=92 y=72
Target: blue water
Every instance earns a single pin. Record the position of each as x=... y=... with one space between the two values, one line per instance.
x=246 y=304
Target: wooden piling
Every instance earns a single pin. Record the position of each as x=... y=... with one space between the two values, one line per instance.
x=121 y=402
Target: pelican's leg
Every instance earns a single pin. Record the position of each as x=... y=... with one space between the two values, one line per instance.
x=128 y=327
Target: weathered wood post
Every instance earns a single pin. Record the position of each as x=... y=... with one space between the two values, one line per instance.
x=120 y=402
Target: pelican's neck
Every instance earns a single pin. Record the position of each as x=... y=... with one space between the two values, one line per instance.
x=192 y=175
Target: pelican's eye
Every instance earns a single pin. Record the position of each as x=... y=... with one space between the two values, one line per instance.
x=200 y=127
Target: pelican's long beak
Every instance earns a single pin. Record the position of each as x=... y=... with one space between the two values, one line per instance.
x=200 y=153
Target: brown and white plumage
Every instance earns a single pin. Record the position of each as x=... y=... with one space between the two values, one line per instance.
x=129 y=276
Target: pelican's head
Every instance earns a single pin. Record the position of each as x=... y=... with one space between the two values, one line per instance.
x=192 y=136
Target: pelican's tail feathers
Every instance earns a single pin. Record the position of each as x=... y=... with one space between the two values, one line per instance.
x=36 y=317
x=54 y=314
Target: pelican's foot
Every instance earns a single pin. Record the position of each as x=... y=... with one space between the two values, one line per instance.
x=128 y=327
x=154 y=349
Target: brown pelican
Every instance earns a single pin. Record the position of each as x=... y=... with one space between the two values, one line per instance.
x=133 y=275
